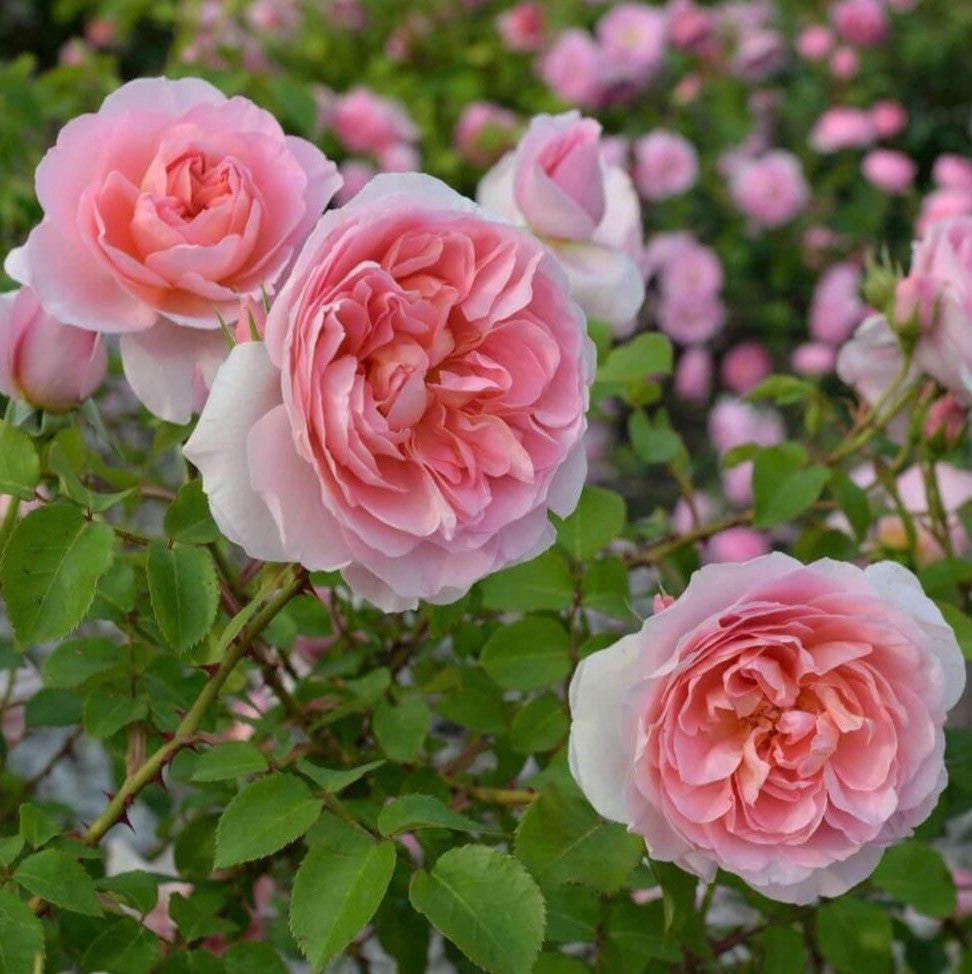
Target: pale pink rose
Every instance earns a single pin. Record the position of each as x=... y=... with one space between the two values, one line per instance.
x=889 y=170
x=814 y=43
x=814 y=358
x=418 y=404
x=740 y=543
x=632 y=41
x=758 y=54
x=663 y=248
x=484 y=132
x=615 y=150
x=273 y=16
x=557 y=184
x=691 y=28
x=836 y=308
x=523 y=27
x=693 y=374
x=953 y=172
x=733 y=422
x=780 y=721
x=955 y=489
x=889 y=118
x=863 y=23
x=74 y=53
x=845 y=62
x=690 y=318
x=400 y=157
x=946 y=419
x=943 y=204
x=574 y=69
x=744 y=366
x=737 y=484
x=367 y=122
x=356 y=174
x=962 y=879
x=666 y=164
x=770 y=190
x=687 y=517
x=842 y=128
x=48 y=364
x=942 y=261
x=160 y=212
x=694 y=270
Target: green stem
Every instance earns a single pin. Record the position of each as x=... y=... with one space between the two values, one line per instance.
x=658 y=552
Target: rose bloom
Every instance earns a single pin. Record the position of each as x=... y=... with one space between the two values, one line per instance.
x=690 y=318
x=160 y=212
x=744 y=366
x=770 y=190
x=693 y=375
x=813 y=358
x=845 y=62
x=366 y=122
x=889 y=170
x=522 y=27
x=417 y=406
x=889 y=118
x=943 y=204
x=863 y=23
x=780 y=721
x=50 y=365
x=740 y=543
x=574 y=69
x=836 y=308
x=557 y=184
x=759 y=52
x=953 y=172
x=842 y=128
x=815 y=42
x=632 y=41
x=666 y=164
x=484 y=132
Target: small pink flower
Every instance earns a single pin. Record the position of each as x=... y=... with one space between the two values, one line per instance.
x=691 y=28
x=418 y=404
x=845 y=62
x=946 y=419
x=943 y=204
x=693 y=374
x=736 y=544
x=842 y=128
x=863 y=23
x=759 y=53
x=632 y=41
x=814 y=43
x=666 y=164
x=814 y=358
x=574 y=69
x=770 y=190
x=836 y=308
x=889 y=170
x=889 y=118
x=48 y=364
x=780 y=721
x=484 y=132
x=400 y=157
x=161 y=211
x=369 y=123
x=744 y=366
x=871 y=360
x=953 y=172
x=523 y=27
x=690 y=318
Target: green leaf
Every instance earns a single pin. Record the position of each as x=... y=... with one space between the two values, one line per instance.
x=915 y=874
x=784 y=951
x=544 y=583
x=855 y=936
x=52 y=564
x=126 y=946
x=539 y=726
x=21 y=937
x=597 y=521
x=635 y=935
x=60 y=462
x=137 y=888
x=110 y=707
x=53 y=708
x=606 y=588
x=253 y=958
x=534 y=652
x=10 y=847
x=782 y=389
x=187 y=518
x=185 y=594
x=36 y=826
x=412 y=812
x=961 y=624
x=562 y=840
x=647 y=354
x=853 y=502
x=782 y=490
x=653 y=442
x=335 y=780
x=573 y=914
x=19 y=464
x=233 y=759
x=59 y=879
x=337 y=890
x=487 y=904
x=75 y=662
x=553 y=963
x=265 y=816
x=401 y=729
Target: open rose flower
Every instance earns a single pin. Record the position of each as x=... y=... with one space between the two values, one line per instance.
x=780 y=721
x=557 y=183
x=161 y=211
x=416 y=408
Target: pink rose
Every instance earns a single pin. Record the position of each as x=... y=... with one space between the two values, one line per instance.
x=356 y=174
x=734 y=422
x=484 y=132
x=632 y=41
x=863 y=23
x=557 y=183
x=50 y=365
x=160 y=212
x=813 y=358
x=417 y=407
x=770 y=190
x=780 y=721
x=522 y=27
x=845 y=62
x=693 y=374
x=871 y=360
x=814 y=43
x=666 y=164
x=889 y=170
x=943 y=204
x=889 y=118
x=842 y=128
x=759 y=52
x=690 y=318
x=366 y=122
x=744 y=366
x=574 y=69
x=953 y=172
x=740 y=543
x=836 y=308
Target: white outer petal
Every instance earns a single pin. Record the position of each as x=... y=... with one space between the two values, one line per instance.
x=604 y=281
x=246 y=388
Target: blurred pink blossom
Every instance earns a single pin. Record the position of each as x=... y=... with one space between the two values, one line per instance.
x=863 y=23
x=523 y=26
x=889 y=170
x=814 y=358
x=771 y=189
x=666 y=164
x=744 y=366
x=842 y=128
x=693 y=374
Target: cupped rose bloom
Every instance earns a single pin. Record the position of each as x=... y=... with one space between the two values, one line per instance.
x=632 y=41
x=780 y=721
x=557 y=183
x=771 y=189
x=574 y=69
x=523 y=27
x=836 y=307
x=953 y=172
x=50 y=365
x=740 y=543
x=416 y=408
x=889 y=118
x=845 y=62
x=889 y=170
x=666 y=164
x=842 y=128
x=814 y=43
x=744 y=366
x=366 y=122
x=813 y=358
x=943 y=204
x=161 y=211
x=758 y=54
x=863 y=23
x=690 y=318
x=484 y=132
x=693 y=374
